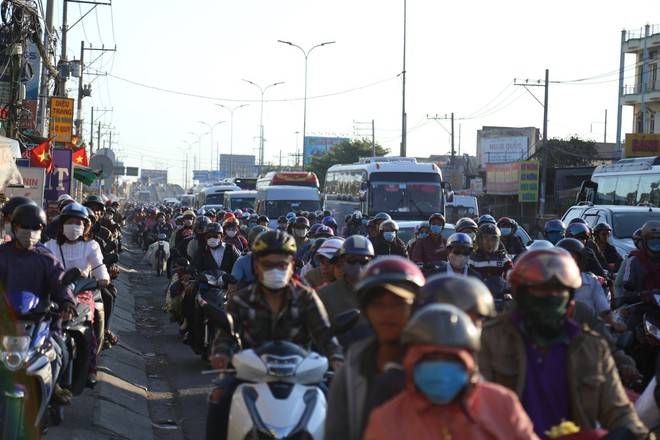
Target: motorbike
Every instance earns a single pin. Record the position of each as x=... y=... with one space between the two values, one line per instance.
x=280 y=395
x=161 y=253
x=212 y=289
x=501 y=292
x=26 y=376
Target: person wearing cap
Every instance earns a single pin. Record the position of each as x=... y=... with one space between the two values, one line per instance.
x=326 y=258
x=386 y=293
x=559 y=369
x=444 y=396
x=434 y=247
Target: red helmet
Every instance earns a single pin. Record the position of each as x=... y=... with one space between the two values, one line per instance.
x=542 y=266
x=304 y=221
x=397 y=274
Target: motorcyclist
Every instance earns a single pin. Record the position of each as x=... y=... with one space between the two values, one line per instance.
x=371 y=228
x=445 y=396
x=387 y=242
x=276 y=307
x=581 y=232
x=51 y=228
x=282 y=223
x=554 y=230
x=7 y=211
x=178 y=234
x=380 y=218
x=300 y=228
x=411 y=243
x=230 y=228
x=263 y=220
x=354 y=226
x=434 y=247
x=26 y=265
x=101 y=234
x=460 y=248
x=467 y=226
x=617 y=287
x=161 y=227
x=602 y=234
x=512 y=243
x=489 y=260
x=197 y=240
x=327 y=258
x=331 y=223
x=243 y=271
x=558 y=369
x=386 y=293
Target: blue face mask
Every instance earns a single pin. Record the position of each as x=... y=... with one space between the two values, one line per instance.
x=436 y=229
x=364 y=222
x=653 y=245
x=554 y=237
x=440 y=381
x=505 y=231
x=423 y=234
x=389 y=236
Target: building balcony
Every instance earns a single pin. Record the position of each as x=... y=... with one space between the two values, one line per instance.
x=634 y=39
x=632 y=94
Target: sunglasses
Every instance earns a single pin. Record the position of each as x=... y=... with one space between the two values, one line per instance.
x=212 y=236
x=31 y=228
x=360 y=261
x=268 y=265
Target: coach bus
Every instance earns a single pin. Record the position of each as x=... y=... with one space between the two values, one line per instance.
x=398 y=186
x=634 y=181
x=290 y=178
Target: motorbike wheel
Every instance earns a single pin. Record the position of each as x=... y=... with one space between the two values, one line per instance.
x=55 y=414
x=159 y=265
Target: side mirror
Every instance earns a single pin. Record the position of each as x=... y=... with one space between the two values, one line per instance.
x=71 y=276
x=345 y=321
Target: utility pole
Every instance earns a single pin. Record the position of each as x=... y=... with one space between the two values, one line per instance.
x=84 y=91
x=63 y=65
x=43 y=97
x=92 y=121
x=437 y=119
x=404 y=136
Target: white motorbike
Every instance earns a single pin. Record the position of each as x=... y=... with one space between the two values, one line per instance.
x=280 y=396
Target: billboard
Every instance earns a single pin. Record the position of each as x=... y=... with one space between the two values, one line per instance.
x=641 y=145
x=155 y=176
x=34 y=180
x=502 y=150
x=529 y=182
x=61 y=119
x=503 y=178
x=59 y=182
x=318 y=146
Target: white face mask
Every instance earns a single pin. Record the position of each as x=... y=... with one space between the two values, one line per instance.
x=73 y=232
x=300 y=233
x=213 y=242
x=27 y=237
x=458 y=261
x=187 y=223
x=276 y=279
x=231 y=233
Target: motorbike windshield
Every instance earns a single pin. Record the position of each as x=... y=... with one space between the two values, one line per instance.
x=22 y=302
x=406 y=195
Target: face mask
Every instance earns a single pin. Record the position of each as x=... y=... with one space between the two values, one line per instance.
x=389 y=236
x=73 y=232
x=554 y=237
x=187 y=223
x=436 y=229
x=300 y=233
x=472 y=235
x=653 y=245
x=276 y=279
x=232 y=233
x=543 y=316
x=458 y=261
x=27 y=237
x=364 y=222
x=213 y=242
x=423 y=234
x=505 y=231
x=161 y=220
x=8 y=230
x=108 y=216
x=353 y=270
x=440 y=381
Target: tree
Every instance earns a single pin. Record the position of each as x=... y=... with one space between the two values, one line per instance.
x=571 y=152
x=344 y=153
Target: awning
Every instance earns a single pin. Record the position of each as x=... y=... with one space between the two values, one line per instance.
x=85 y=175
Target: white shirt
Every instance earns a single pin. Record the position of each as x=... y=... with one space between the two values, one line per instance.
x=592 y=293
x=217 y=253
x=84 y=255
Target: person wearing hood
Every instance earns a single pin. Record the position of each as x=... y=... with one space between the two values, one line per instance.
x=387 y=242
x=444 y=395
x=434 y=247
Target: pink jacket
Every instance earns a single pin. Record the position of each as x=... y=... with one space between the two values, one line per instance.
x=428 y=250
x=485 y=411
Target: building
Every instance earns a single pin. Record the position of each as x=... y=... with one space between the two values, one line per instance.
x=238 y=165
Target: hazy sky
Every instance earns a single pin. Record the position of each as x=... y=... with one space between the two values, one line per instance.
x=176 y=60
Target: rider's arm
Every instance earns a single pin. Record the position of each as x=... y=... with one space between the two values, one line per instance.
x=223 y=343
x=95 y=261
x=316 y=320
x=60 y=293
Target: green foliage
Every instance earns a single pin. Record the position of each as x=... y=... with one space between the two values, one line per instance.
x=344 y=153
x=571 y=152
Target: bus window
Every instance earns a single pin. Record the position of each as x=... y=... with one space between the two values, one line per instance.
x=649 y=190
x=626 y=190
x=606 y=191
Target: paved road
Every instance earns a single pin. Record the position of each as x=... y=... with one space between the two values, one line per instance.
x=150 y=385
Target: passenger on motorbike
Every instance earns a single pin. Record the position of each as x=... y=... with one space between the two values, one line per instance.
x=274 y=308
x=233 y=237
x=434 y=247
x=489 y=260
x=512 y=243
x=554 y=230
x=354 y=226
x=75 y=248
x=386 y=293
x=460 y=248
x=643 y=269
x=444 y=395
x=467 y=226
x=6 y=234
x=558 y=368
x=198 y=240
x=243 y=270
x=327 y=257
x=387 y=241
x=618 y=281
x=602 y=234
x=582 y=233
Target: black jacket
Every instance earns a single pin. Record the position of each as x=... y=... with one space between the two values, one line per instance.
x=203 y=260
x=384 y=247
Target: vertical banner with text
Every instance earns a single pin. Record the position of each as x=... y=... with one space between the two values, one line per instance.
x=61 y=119
x=529 y=182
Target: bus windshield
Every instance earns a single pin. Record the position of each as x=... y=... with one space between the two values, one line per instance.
x=405 y=195
x=216 y=198
x=242 y=203
x=277 y=208
x=628 y=189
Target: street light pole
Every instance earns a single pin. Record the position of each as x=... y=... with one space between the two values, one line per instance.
x=306 y=54
x=211 y=127
x=199 y=140
x=261 y=120
x=231 y=136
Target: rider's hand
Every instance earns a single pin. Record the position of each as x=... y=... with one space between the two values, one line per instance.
x=629 y=374
x=219 y=361
x=103 y=283
x=336 y=364
x=619 y=327
x=67 y=313
x=190 y=289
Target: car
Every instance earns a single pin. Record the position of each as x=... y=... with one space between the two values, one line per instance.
x=624 y=220
x=212 y=206
x=406 y=229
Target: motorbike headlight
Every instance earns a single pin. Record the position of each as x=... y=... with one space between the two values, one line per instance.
x=281 y=366
x=15 y=351
x=652 y=329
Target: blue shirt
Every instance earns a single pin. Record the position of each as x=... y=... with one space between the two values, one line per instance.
x=243 y=270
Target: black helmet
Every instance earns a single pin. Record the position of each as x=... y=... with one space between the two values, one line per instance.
x=602 y=227
x=274 y=242
x=460 y=240
x=254 y=232
x=489 y=229
x=213 y=227
x=467 y=293
x=29 y=216
x=15 y=202
x=75 y=210
x=201 y=221
x=94 y=199
x=465 y=223
x=281 y=219
x=263 y=218
x=576 y=248
x=444 y=325
x=90 y=214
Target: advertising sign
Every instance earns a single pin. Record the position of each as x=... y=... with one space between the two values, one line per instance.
x=529 y=182
x=503 y=150
x=34 y=180
x=61 y=119
x=59 y=182
x=316 y=146
x=201 y=175
x=156 y=176
x=641 y=145
x=503 y=178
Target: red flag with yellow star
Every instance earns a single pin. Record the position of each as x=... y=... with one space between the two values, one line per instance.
x=80 y=157
x=40 y=156
x=74 y=142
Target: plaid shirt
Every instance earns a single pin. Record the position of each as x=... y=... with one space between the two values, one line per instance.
x=303 y=319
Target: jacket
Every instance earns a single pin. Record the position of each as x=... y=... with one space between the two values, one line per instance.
x=203 y=260
x=384 y=247
x=428 y=250
x=493 y=265
x=596 y=393
x=303 y=319
x=482 y=411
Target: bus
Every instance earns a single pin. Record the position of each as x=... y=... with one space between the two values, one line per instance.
x=244 y=183
x=631 y=182
x=242 y=200
x=290 y=178
x=398 y=186
x=213 y=195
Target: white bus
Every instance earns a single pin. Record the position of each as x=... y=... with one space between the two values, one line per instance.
x=398 y=186
x=213 y=195
x=631 y=182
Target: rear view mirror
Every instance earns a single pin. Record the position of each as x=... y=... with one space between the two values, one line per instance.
x=71 y=276
x=345 y=321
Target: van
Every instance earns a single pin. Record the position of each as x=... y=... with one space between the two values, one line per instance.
x=213 y=195
x=242 y=200
x=461 y=206
x=275 y=201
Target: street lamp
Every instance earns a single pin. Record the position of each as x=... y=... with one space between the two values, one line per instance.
x=211 y=127
x=306 y=54
x=186 y=152
x=231 y=136
x=199 y=140
x=261 y=120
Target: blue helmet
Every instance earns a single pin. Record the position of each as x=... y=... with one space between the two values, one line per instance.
x=382 y=216
x=357 y=245
x=290 y=215
x=330 y=222
x=554 y=225
x=75 y=210
x=486 y=218
x=460 y=240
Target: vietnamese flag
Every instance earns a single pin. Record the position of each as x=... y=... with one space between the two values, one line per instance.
x=74 y=142
x=41 y=157
x=80 y=157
